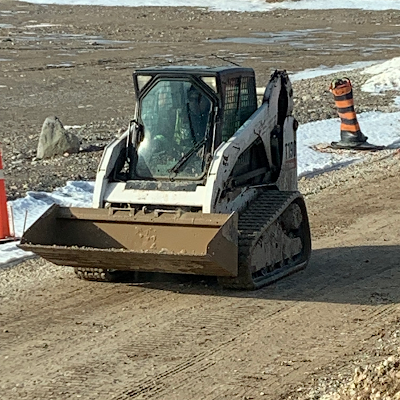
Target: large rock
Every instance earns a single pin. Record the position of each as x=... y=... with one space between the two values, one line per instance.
x=55 y=140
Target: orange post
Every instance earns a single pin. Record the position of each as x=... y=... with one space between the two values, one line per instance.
x=350 y=132
x=4 y=218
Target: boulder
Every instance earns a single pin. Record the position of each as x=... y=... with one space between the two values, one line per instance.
x=55 y=140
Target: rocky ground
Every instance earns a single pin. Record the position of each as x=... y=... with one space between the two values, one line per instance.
x=76 y=63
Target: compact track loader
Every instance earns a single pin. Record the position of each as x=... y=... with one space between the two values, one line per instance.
x=202 y=182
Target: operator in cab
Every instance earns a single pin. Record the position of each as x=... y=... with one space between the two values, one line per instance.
x=175 y=116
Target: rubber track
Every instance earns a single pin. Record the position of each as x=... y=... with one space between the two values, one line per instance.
x=94 y=274
x=258 y=217
x=253 y=222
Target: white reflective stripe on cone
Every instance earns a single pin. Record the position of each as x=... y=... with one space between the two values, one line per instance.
x=10 y=211
x=1 y=174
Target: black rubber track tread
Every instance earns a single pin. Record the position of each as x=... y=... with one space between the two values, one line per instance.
x=94 y=274
x=253 y=222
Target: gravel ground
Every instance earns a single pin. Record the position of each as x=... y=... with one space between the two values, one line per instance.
x=372 y=375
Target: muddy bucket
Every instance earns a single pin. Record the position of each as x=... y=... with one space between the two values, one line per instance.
x=157 y=241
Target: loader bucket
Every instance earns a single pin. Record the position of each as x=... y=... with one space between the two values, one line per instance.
x=159 y=241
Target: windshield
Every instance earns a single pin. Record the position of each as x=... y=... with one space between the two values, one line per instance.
x=176 y=119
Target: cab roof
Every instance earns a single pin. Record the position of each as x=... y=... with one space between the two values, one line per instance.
x=195 y=70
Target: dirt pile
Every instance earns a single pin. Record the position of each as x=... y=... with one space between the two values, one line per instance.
x=378 y=381
x=372 y=382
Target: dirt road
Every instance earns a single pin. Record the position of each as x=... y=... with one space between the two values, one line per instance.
x=63 y=338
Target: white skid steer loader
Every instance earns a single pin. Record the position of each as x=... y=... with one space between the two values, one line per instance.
x=202 y=182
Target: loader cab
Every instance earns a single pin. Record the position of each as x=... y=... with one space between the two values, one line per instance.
x=185 y=113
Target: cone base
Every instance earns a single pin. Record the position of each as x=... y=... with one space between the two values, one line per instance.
x=8 y=239
x=365 y=146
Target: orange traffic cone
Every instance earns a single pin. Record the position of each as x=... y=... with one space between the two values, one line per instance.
x=351 y=136
x=5 y=233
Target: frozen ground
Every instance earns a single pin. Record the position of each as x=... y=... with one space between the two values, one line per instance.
x=239 y=5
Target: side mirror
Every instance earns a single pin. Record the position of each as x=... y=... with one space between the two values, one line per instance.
x=139 y=133
x=136 y=132
x=136 y=135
